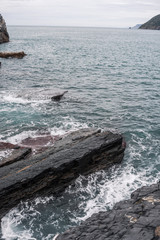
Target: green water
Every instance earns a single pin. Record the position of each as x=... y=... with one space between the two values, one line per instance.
x=113 y=82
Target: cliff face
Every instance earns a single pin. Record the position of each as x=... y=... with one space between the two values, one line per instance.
x=153 y=23
x=4 y=36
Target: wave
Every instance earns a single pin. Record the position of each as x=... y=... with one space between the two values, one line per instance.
x=45 y=217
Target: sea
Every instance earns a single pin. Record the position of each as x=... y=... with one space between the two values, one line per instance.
x=113 y=81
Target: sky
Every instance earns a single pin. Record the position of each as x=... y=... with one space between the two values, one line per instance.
x=91 y=13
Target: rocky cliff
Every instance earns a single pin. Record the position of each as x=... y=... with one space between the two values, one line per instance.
x=4 y=36
x=153 y=23
x=135 y=219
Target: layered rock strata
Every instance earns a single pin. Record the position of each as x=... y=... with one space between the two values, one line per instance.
x=81 y=152
x=4 y=36
x=135 y=219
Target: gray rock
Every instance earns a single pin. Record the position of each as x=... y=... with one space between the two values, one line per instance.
x=136 y=219
x=81 y=152
x=15 y=156
x=4 y=36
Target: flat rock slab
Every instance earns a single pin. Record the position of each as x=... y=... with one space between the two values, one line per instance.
x=135 y=219
x=81 y=152
x=12 y=54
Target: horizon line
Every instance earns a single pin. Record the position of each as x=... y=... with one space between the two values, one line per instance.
x=70 y=26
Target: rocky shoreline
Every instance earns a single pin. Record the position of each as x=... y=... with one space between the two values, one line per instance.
x=134 y=219
x=50 y=172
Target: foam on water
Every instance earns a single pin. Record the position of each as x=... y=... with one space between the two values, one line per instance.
x=5 y=153
x=41 y=218
x=68 y=125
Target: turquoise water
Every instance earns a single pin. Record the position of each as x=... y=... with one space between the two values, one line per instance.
x=113 y=82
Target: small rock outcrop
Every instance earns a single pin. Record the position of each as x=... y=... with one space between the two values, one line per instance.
x=4 y=36
x=135 y=219
x=12 y=54
x=81 y=152
x=152 y=24
x=57 y=97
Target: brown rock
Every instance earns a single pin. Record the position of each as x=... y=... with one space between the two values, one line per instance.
x=12 y=54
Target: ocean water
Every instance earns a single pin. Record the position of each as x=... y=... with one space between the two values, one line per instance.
x=113 y=82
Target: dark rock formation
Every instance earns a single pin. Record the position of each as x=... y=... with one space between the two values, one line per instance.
x=81 y=152
x=4 y=36
x=58 y=97
x=135 y=219
x=12 y=54
x=153 y=23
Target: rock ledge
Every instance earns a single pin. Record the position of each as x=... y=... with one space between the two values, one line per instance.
x=81 y=152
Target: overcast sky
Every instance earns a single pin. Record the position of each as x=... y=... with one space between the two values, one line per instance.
x=98 y=13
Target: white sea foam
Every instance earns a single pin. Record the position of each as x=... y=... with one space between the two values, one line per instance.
x=68 y=125
x=112 y=188
x=18 y=138
x=10 y=226
x=5 y=153
x=91 y=194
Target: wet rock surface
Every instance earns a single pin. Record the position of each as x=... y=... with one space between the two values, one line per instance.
x=81 y=152
x=15 y=155
x=4 y=36
x=134 y=219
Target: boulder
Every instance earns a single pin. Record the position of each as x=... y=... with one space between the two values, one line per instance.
x=4 y=36
x=136 y=219
x=81 y=152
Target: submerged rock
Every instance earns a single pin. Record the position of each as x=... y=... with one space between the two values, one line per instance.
x=40 y=143
x=135 y=219
x=4 y=36
x=81 y=152
x=57 y=97
x=12 y=54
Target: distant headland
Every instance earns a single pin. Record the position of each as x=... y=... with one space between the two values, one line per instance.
x=153 y=23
